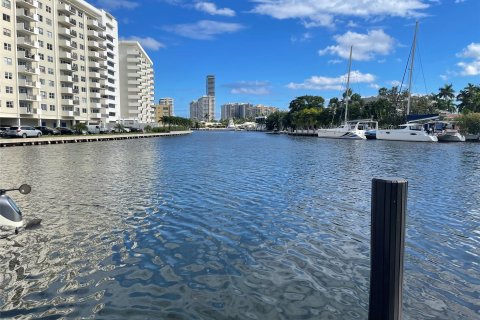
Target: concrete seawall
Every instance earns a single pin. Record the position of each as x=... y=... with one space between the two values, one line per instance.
x=9 y=142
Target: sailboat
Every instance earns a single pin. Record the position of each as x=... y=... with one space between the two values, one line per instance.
x=353 y=129
x=412 y=130
x=231 y=125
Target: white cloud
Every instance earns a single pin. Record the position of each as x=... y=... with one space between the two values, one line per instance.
x=211 y=8
x=250 y=87
x=327 y=83
x=204 y=29
x=117 y=4
x=322 y=12
x=365 y=46
x=302 y=38
x=147 y=42
x=470 y=68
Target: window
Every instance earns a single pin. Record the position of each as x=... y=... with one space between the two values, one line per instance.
x=9 y=104
x=40 y=17
x=52 y=107
x=50 y=59
x=44 y=106
x=51 y=95
x=49 y=34
x=80 y=35
x=82 y=58
x=6 y=17
x=8 y=89
x=42 y=82
x=40 y=42
x=82 y=68
x=80 y=25
x=8 y=75
x=8 y=61
x=82 y=47
x=80 y=14
x=42 y=69
x=49 y=46
x=48 y=9
x=43 y=94
x=40 y=5
x=82 y=79
x=6 y=4
x=40 y=30
x=7 y=32
x=7 y=46
x=51 y=83
x=49 y=21
x=41 y=55
x=84 y=89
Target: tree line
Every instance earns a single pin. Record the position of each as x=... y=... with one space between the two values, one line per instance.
x=388 y=108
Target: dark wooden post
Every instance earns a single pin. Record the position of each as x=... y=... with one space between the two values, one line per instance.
x=389 y=202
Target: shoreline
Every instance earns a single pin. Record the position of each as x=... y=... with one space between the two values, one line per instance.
x=46 y=140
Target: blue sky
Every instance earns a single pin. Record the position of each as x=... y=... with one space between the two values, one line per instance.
x=271 y=51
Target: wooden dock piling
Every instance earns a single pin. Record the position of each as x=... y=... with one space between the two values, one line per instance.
x=389 y=202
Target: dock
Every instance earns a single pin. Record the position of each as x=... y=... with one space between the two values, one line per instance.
x=45 y=140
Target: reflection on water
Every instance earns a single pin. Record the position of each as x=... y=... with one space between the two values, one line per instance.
x=235 y=225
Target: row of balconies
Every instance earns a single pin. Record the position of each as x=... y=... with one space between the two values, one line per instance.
x=30 y=4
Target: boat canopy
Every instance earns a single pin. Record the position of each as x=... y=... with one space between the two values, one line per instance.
x=422 y=117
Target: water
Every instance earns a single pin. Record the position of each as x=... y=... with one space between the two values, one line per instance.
x=235 y=225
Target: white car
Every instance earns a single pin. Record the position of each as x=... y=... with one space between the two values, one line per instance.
x=23 y=132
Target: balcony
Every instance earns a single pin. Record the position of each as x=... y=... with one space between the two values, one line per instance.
x=94 y=75
x=28 y=83
x=135 y=97
x=27 y=15
x=133 y=60
x=66 y=21
x=95 y=95
x=66 y=90
x=67 y=102
x=94 y=64
x=95 y=105
x=24 y=28
x=28 y=97
x=134 y=89
x=65 y=67
x=94 y=35
x=30 y=4
x=67 y=113
x=27 y=70
x=28 y=110
x=66 y=44
x=66 y=32
x=94 y=24
x=134 y=82
x=95 y=115
x=103 y=73
x=64 y=8
x=65 y=55
x=27 y=42
x=94 y=85
x=25 y=55
x=65 y=78
x=132 y=75
x=96 y=45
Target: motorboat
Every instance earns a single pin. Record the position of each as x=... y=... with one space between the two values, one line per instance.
x=407 y=132
x=10 y=213
x=231 y=125
x=447 y=131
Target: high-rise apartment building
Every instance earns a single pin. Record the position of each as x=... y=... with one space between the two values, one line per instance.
x=164 y=108
x=245 y=111
x=210 y=90
x=59 y=63
x=136 y=83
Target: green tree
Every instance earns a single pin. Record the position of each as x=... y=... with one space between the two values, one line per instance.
x=469 y=99
x=80 y=128
x=469 y=123
x=444 y=98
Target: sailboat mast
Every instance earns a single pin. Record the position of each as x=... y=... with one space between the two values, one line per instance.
x=348 y=84
x=411 y=69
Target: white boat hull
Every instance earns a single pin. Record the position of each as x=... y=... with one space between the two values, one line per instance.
x=451 y=137
x=405 y=135
x=9 y=223
x=342 y=134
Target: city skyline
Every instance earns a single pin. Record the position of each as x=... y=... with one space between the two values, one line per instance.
x=269 y=52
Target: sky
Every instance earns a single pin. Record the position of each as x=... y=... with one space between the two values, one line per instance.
x=271 y=51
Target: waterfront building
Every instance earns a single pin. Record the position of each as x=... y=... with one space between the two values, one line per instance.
x=59 y=63
x=245 y=111
x=164 y=108
x=136 y=84
x=204 y=108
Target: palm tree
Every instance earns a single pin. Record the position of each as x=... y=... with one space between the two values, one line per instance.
x=447 y=94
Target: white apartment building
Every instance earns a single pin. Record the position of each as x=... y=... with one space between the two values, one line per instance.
x=59 y=63
x=136 y=84
x=203 y=109
x=241 y=110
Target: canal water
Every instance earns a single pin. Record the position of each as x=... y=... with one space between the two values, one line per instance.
x=234 y=225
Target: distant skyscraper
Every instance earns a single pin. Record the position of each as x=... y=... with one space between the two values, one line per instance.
x=211 y=85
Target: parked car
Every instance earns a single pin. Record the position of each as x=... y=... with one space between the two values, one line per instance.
x=23 y=132
x=47 y=130
x=62 y=130
x=3 y=131
x=134 y=129
x=93 y=129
